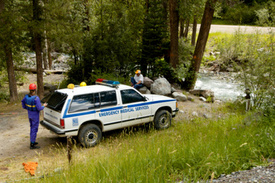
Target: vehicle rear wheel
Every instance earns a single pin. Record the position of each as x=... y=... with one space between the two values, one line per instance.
x=90 y=135
x=162 y=119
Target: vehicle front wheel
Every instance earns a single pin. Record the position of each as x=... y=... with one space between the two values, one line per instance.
x=90 y=135
x=162 y=119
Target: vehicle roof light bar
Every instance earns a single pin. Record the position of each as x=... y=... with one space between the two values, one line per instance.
x=107 y=82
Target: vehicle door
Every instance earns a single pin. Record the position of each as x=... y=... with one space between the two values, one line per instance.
x=109 y=112
x=136 y=108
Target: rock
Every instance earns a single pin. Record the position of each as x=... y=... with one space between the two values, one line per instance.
x=161 y=86
x=49 y=87
x=206 y=116
x=143 y=90
x=203 y=99
x=179 y=96
x=181 y=111
x=190 y=98
x=194 y=113
x=173 y=89
x=204 y=93
x=147 y=82
x=148 y=92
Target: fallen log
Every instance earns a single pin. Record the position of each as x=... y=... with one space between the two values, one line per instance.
x=34 y=70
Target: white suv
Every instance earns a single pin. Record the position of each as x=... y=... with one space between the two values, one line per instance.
x=88 y=111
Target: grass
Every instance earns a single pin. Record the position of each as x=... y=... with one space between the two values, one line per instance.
x=188 y=151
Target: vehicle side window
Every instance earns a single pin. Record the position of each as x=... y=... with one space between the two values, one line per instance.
x=82 y=102
x=131 y=96
x=108 y=98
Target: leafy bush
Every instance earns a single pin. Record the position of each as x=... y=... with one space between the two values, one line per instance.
x=266 y=15
x=162 y=68
x=252 y=55
x=4 y=96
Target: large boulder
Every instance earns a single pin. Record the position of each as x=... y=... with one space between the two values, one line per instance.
x=147 y=82
x=161 y=86
x=179 y=96
x=144 y=90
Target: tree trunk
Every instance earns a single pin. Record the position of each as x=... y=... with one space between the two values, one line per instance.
x=86 y=17
x=186 y=28
x=45 y=60
x=38 y=48
x=11 y=75
x=9 y=60
x=144 y=57
x=49 y=54
x=174 y=38
x=181 y=27
x=194 y=31
x=190 y=80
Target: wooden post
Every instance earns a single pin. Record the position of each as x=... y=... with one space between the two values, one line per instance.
x=69 y=148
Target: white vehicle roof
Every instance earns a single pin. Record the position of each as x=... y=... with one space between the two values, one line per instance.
x=91 y=88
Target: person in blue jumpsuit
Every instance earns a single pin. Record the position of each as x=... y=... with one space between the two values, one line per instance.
x=32 y=103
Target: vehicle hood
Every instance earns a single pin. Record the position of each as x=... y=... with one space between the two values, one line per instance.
x=153 y=97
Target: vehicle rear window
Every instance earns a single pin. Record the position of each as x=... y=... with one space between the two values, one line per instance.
x=56 y=101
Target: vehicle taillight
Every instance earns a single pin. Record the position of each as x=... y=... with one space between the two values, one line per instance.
x=177 y=105
x=62 y=124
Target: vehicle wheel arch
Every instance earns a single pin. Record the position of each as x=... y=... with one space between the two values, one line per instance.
x=167 y=108
x=96 y=122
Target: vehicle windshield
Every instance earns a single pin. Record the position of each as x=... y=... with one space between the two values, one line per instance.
x=56 y=101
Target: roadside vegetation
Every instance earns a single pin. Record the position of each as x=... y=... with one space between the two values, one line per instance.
x=190 y=150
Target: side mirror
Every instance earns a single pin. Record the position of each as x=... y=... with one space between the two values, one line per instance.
x=145 y=98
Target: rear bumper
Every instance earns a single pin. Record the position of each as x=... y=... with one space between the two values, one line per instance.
x=53 y=128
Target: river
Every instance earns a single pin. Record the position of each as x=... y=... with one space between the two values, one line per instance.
x=221 y=84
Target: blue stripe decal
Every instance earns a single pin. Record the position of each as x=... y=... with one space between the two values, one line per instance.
x=110 y=109
x=67 y=107
x=149 y=103
x=79 y=114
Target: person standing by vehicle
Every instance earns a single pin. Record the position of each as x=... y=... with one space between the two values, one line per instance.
x=31 y=102
x=137 y=80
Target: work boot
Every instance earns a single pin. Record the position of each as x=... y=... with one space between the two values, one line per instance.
x=33 y=146
x=35 y=143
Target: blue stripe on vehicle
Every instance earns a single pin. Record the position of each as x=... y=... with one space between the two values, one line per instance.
x=109 y=109
x=149 y=103
x=123 y=121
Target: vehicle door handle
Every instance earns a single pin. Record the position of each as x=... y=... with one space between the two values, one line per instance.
x=125 y=106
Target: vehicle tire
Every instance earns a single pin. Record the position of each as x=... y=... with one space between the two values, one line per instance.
x=162 y=119
x=90 y=135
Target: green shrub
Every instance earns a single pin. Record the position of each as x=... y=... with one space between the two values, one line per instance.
x=250 y=55
x=4 y=96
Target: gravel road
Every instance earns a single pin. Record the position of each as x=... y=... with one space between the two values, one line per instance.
x=234 y=28
x=257 y=174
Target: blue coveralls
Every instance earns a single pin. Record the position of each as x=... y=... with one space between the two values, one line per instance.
x=136 y=86
x=33 y=105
